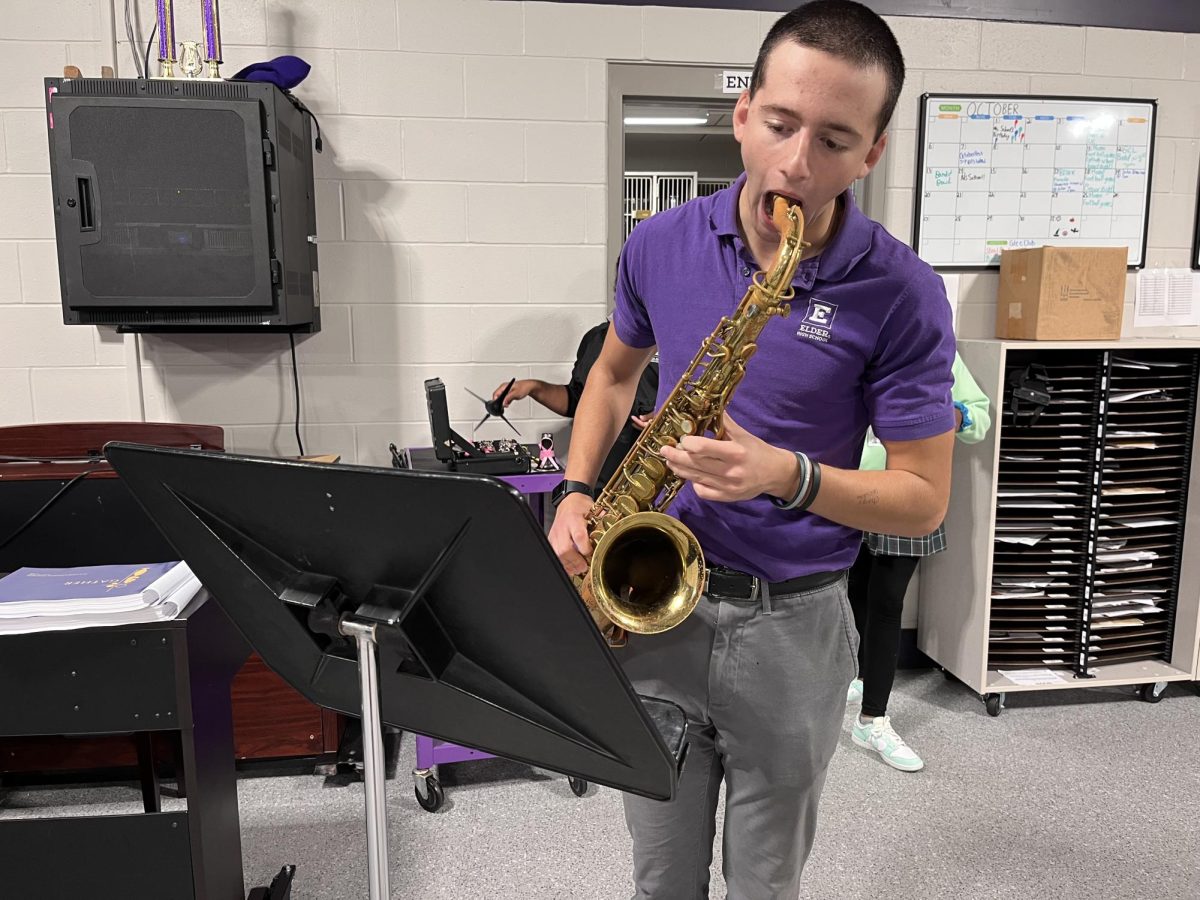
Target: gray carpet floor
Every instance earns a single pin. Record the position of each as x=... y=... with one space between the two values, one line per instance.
x=1088 y=794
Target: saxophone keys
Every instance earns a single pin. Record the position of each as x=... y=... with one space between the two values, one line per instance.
x=624 y=506
x=641 y=486
x=654 y=468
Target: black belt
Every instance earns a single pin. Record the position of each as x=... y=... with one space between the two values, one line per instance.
x=734 y=585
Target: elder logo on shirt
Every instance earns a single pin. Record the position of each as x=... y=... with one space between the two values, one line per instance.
x=818 y=320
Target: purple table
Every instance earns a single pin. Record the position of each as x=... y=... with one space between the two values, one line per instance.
x=431 y=753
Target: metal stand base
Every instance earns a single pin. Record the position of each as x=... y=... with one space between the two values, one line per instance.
x=363 y=631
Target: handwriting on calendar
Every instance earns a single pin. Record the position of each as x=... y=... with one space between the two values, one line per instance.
x=1000 y=173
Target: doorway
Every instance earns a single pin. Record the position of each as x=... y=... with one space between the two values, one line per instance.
x=670 y=138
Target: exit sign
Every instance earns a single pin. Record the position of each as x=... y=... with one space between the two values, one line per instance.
x=734 y=81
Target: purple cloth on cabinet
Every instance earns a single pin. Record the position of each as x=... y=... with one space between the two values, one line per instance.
x=284 y=72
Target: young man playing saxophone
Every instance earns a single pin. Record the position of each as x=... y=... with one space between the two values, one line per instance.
x=762 y=666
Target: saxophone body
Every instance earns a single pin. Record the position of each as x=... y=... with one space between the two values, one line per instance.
x=647 y=573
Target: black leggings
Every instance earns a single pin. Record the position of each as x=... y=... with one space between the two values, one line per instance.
x=877 y=587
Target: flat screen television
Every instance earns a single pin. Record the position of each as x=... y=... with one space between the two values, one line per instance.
x=183 y=205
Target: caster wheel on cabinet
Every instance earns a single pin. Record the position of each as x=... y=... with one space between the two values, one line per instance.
x=578 y=786
x=993 y=702
x=1152 y=693
x=432 y=796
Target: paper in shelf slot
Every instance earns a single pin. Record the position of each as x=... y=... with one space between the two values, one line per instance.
x=1010 y=494
x=1119 y=613
x=1036 y=527
x=1032 y=677
x=1127 y=522
x=1019 y=583
x=1128 y=567
x=1014 y=635
x=1024 y=540
x=1105 y=555
x=1027 y=637
x=1153 y=632
x=1144 y=393
x=1151 y=363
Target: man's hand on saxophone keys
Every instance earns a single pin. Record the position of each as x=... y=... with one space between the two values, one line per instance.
x=737 y=467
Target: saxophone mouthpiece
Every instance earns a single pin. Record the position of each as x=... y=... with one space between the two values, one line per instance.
x=779 y=215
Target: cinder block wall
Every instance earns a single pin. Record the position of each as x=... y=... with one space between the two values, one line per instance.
x=461 y=198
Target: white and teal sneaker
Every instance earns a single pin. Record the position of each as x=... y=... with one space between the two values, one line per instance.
x=878 y=735
x=854 y=693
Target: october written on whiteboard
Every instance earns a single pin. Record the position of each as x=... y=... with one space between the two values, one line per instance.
x=1000 y=173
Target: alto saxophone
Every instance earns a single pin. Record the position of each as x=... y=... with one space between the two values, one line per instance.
x=647 y=572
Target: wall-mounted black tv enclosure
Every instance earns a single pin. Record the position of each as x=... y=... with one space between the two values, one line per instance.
x=183 y=205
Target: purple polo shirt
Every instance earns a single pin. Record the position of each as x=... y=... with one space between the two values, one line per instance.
x=869 y=342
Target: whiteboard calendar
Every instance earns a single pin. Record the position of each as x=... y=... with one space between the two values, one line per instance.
x=1004 y=172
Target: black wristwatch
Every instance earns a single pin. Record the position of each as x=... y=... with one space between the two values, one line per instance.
x=565 y=487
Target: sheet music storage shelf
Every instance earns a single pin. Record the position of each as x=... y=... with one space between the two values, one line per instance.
x=1069 y=547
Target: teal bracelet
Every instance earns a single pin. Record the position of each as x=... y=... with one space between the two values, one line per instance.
x=967 y=421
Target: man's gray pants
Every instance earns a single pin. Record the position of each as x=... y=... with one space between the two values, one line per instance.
x=763 y=684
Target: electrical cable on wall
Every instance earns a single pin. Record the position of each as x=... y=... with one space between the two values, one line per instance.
x=149 y=46
x=45 y=506
x=133 y=44
x=296 y=386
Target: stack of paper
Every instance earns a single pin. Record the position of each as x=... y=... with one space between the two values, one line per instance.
x=1041 y=504
x=1143 y=465
x=58 y=599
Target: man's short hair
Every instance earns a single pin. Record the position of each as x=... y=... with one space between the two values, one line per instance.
x=844 y=29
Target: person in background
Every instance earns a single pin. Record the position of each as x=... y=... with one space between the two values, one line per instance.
x=563 y=399
x=878 y=582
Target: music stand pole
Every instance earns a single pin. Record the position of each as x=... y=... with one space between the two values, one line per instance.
x=363 y=632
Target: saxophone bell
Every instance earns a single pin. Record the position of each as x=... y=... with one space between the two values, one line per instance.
x=647 y=574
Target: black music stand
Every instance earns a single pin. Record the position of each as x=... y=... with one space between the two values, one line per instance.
x=426 y=600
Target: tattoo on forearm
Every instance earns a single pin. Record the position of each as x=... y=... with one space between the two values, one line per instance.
x=870 y=498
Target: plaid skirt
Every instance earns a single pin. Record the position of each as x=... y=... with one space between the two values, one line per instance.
x=894 y=545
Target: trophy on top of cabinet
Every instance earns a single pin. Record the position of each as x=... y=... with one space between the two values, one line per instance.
x=191 y=62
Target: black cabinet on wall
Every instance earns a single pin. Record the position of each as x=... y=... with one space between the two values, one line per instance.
x=1068 y=525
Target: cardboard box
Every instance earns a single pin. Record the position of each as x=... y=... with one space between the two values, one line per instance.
x=1061 y=293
